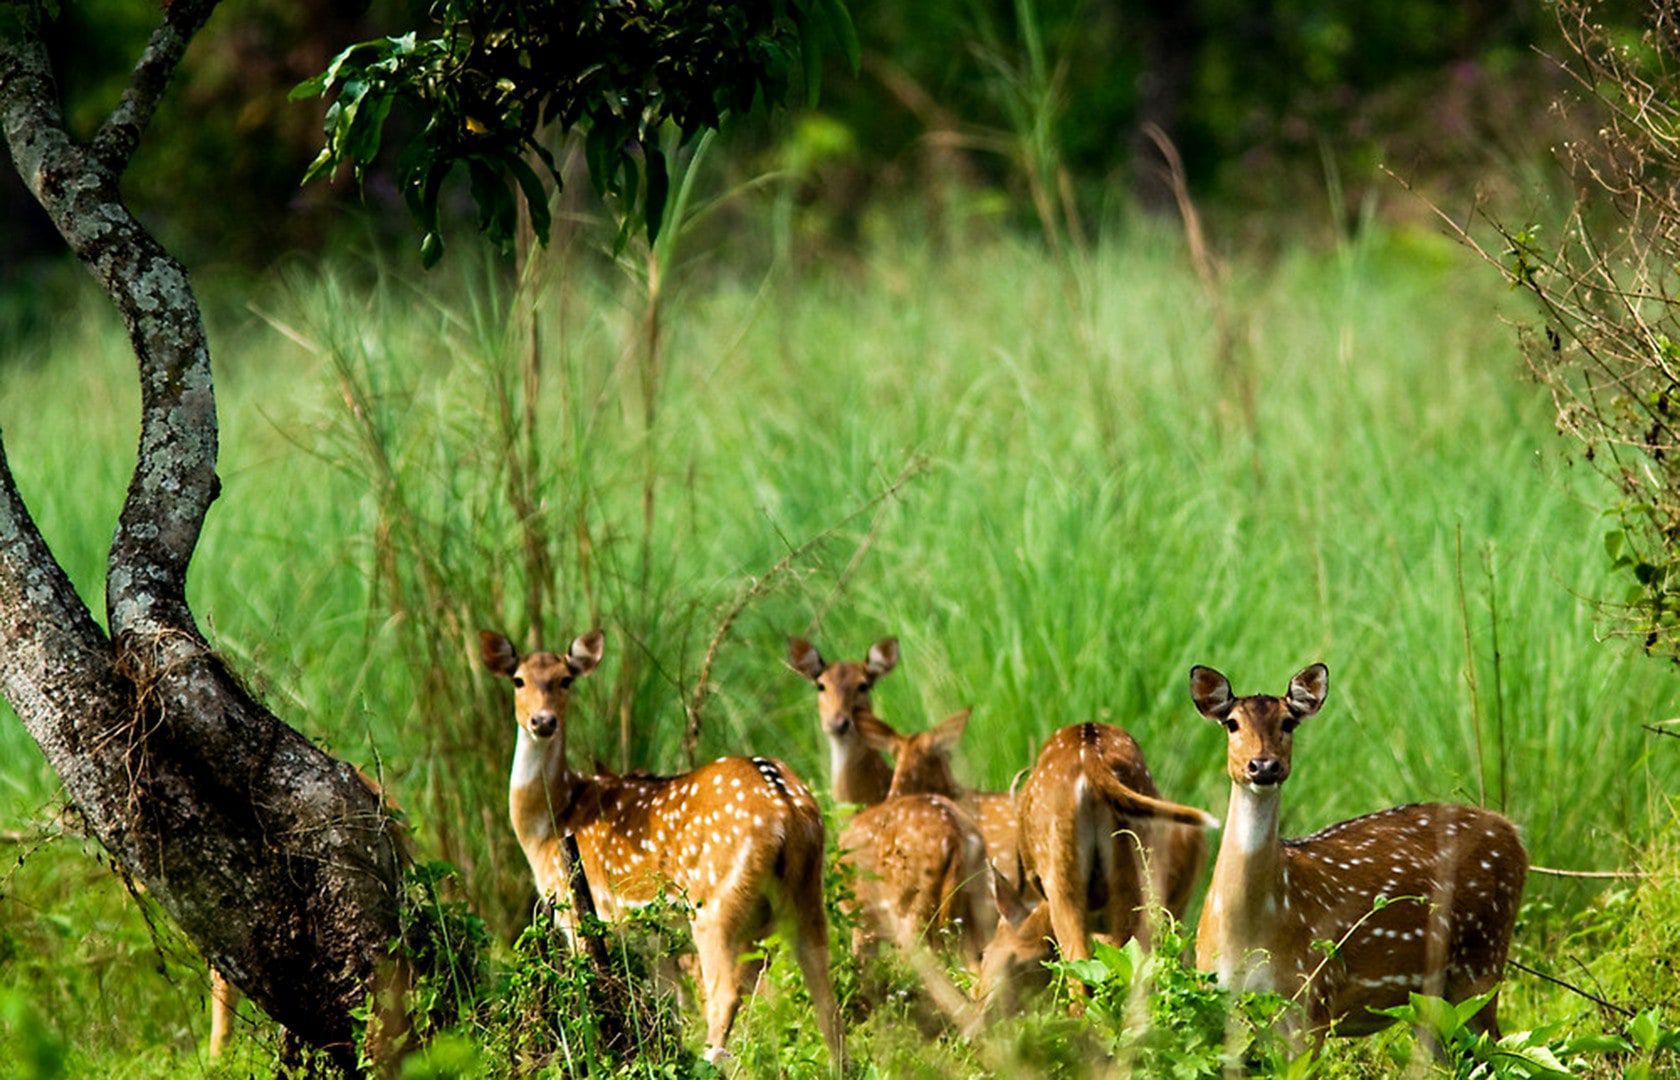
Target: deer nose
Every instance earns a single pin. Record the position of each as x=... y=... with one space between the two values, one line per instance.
x=543 y=724
x=1265 y=770
x=839 y=725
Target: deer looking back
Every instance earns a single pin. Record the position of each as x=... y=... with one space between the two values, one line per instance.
x=1461 y=867
x=740 y=839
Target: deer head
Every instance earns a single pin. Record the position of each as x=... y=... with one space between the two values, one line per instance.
x=1260 y=729
x=842 y=688
x=921 y=762
x=542 y=681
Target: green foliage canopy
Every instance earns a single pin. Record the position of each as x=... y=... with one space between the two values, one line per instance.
x=492 y=78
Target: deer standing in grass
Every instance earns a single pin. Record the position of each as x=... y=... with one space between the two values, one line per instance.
x=739 y=839
x=1417 y=898
x=861 y=775
x=921 y=858
x=1087 y=801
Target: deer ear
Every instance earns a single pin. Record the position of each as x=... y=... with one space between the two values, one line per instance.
x=498 y=653
x=1211 y=692
x=804 y=658
x=1307 y=691
x=883 y=657
x=585 y=654
x=949 y=731
x=877 y=733
x=1009 y=903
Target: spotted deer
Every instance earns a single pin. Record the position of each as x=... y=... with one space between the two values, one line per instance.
x=921 y=857
x=1417 y=898
x=921 y=870
x=861 y=774
x=739 y=839
x=1087 y=800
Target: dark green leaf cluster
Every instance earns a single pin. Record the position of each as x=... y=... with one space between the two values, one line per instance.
x=489 y=80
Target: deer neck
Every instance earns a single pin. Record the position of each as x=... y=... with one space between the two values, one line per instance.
x=861 y=774
x=541 y=789
x=1246 y=898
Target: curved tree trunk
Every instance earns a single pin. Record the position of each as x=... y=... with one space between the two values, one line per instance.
x=275 y=858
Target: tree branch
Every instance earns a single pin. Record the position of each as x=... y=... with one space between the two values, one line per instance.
x=118 y=136
x=56 y=663
x=174 y=478
x=274 y=857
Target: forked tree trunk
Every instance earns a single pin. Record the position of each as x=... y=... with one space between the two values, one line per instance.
x=275 y=858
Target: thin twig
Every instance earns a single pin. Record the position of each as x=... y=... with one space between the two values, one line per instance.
x=1470 y=674
x=12 y=836
x=1589 y=995
x=759 y=586
x=1555 y=872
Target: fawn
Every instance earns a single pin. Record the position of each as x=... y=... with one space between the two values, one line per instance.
x=1417 y=898
x=926 y=851
x=740 y=839
x=1083 y=807
x=862 y=775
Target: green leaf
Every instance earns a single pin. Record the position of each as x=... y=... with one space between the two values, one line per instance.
x=361 y=142
x=1119 y=963
x=1090 y=971
x=811 y=53
x=1469 y=1007
x=311 y=87
x=658 y=189
x=1598 y=1044
x=431 y=250
x=496 y=214
x=844 y=31
x=598 y=154
x=1436 y=1015
x=536 y=197
x=1645 y=1030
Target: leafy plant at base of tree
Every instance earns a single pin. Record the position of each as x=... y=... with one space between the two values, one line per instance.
x=491 y=78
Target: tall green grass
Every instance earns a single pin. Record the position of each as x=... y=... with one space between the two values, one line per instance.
x=1090 y=508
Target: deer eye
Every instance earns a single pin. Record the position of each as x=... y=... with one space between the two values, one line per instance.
x=566 y=682
x=820 y=686
x=1231 y=726
x=518 y=682
x=1289 y=723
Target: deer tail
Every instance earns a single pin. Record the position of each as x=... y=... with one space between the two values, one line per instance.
x=1132 y=803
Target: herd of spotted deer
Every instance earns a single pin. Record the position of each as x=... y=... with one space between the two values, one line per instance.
x=1416 y=898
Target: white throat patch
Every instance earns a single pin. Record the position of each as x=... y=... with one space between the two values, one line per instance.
x=1252 y=819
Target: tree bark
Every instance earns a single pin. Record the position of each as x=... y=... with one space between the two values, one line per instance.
x=275 y=858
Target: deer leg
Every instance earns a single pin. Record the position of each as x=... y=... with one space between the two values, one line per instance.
x=1487 y=1019
x=1067 y=924
x=810 y=949
x=714 y=941
x=223 y=998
